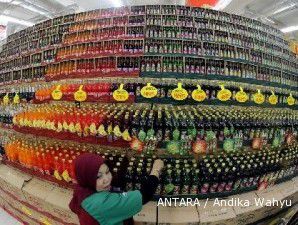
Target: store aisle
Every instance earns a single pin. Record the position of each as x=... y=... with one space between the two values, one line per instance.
x=7 y=219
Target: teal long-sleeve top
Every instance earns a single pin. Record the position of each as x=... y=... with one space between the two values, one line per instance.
x=112 y=208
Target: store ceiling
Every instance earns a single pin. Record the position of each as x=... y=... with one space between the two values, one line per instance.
x=280 y=13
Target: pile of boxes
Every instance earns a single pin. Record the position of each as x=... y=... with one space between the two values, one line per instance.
x=34 y=201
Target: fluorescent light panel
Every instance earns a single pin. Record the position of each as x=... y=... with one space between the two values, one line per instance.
x=117 y=3
x=289 y=29
x=222 y=4
x=15 y=20
x=33 y=9
x=284 y=8
x=269 y=20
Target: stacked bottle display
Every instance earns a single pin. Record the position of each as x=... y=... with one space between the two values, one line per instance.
x=154 y=127
x=210 y=174
x=143 y=40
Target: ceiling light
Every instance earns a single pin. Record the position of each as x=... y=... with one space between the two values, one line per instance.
x=117 y=3
x=16 y=2
x=289 y=29
x=33 y=9
x=15 y=20
x=222 y=4
x=269 y=20
x=284 y=8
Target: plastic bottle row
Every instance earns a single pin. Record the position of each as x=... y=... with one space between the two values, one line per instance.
x=219 y=128
x=211 y=174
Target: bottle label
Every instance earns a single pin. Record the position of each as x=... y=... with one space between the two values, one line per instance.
x=16 y=99
x=185 y=189
x=6 y=99
x=194 y=189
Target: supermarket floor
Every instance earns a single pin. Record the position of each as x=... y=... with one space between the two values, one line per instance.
x=7 y=219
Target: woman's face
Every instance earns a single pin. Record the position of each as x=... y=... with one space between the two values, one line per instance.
x=104 y=178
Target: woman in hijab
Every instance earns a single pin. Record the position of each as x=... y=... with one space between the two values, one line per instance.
x=94 y=203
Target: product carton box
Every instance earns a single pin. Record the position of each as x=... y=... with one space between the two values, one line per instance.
x=22 y=217
x=246 y=209
x=57 y=202
x=147 y=215
x=210 y=213
x=295 y=182
x=2 y=201
x=289 y=192
x=178 y=215
x=271 y=201
x=12 y=181
x=36 y=191
x=30 y=212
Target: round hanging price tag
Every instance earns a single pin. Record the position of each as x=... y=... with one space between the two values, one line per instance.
x=241 y=96
x=120 y=95
x=57 y=93
x=198 y=95
x=149 y=91
x=6 y=99
x=224 y=94
x=179 y=93
x=273 y=99
x=259 y=98
x=80 y=95
x=291 y=100
x=16 y=99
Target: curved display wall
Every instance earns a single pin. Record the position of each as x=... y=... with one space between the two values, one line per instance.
x=211 y=93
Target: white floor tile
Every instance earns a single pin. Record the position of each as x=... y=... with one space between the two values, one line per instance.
x=7 y=219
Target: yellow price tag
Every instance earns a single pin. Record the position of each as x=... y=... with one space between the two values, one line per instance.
x=6 y=99
x=224 y=94
x=57 y=93
x=259 y=98
x=80 y=95
x=120 y=95
x=93 y=129
x=179 y=93
x=273 y=98
x=149 y=91
x=290 y=100
x=198 y=95
x=241 y=96
x=101 y=130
